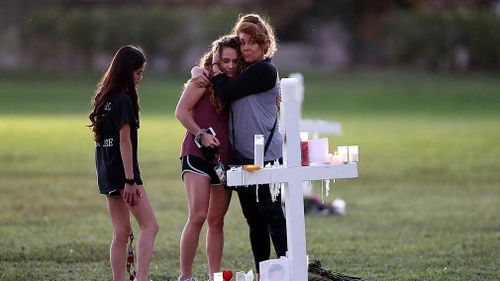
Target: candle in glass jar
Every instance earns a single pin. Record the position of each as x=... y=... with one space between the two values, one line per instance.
x=304 y=148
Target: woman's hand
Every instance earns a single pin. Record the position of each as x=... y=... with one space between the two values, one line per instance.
x=199 y=77
x=209 y=141
x=215 y=56
x=131 y=194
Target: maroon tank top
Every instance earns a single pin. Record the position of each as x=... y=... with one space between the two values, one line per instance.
x=205 y=116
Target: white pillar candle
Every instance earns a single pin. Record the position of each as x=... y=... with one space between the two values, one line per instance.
x=318 y=150
x=304 y=136
x=343 y=153
x=353 y=153
x=258 y=150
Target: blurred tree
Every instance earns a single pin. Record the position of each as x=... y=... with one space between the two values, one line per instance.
x=53 y=30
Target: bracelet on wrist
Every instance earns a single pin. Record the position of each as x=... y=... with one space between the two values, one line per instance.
x=130 y=181
x=215 y=63
x=199 y=134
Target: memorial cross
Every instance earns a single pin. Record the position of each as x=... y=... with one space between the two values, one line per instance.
x=292 y=174
x=314 y=126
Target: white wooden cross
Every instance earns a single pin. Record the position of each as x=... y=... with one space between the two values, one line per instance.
x=292 y=174
x=314 y=126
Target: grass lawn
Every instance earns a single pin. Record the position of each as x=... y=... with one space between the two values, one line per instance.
x=425 y=206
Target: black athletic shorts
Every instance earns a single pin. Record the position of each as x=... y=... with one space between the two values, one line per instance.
x=200 y=167
x=117 y=192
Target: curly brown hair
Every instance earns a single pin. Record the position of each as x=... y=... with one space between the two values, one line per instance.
x=226 y=41
x=260 y=30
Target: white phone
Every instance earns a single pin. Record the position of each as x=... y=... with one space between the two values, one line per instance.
x=209 y=131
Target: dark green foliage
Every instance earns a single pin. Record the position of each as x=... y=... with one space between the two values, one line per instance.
x=432 y=38
x=78 y=34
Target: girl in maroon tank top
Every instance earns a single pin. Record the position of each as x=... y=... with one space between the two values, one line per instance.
x=198 y=110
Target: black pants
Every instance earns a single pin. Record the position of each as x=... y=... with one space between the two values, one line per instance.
x=265 y=221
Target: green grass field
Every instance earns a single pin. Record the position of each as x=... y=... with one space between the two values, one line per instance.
x=425 y=207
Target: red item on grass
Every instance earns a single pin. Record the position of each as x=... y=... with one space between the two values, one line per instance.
x=227 y=275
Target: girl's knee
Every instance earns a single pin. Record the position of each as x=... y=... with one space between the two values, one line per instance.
x=215 y=221
x=155 y=227
x=197 y=219
x=151 y=227
x=121 y=234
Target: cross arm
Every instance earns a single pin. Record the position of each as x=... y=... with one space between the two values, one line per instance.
x=320 y=126
x=238 y=177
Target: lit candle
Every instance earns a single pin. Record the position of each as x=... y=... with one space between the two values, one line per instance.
x=353 y=153
x=333 y=159
x=343 y=153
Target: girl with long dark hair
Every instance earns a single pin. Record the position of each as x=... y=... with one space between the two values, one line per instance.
x=114 y=122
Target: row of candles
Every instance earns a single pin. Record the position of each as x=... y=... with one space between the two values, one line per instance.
x=312 y=156
x=313 y=151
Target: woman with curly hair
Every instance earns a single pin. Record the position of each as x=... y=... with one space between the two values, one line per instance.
x=252 y=96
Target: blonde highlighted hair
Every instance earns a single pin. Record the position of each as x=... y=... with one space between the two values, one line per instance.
x=260 y=30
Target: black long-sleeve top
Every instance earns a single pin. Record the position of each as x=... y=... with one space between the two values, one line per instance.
x=256 y=78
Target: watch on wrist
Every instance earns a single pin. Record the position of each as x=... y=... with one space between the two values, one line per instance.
x=130 y=181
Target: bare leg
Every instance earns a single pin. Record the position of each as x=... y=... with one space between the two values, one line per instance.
x=197 y=196
x=149 y=227
x=219 y=203
x=120 y=219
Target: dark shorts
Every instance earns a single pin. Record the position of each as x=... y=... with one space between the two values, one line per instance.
x=117 y=192
x=200 y=167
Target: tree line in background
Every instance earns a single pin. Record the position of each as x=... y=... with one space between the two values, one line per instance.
x=438 y=35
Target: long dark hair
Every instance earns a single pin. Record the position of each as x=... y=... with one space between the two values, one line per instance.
x=226 y=41
x=118 y=77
